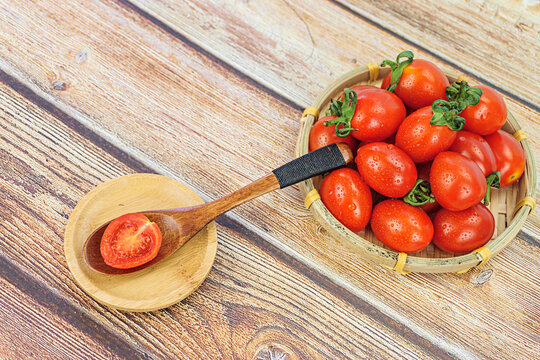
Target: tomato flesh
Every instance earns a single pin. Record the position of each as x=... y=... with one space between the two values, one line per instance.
x=401 y=226
x=347 y=197
x=509 y=156
x=463 y=231
x=421 y=83
x=129 y=241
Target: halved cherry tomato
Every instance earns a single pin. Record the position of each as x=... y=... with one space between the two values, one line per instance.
x=321 y=135
x=129 y=241
x=347 y=197
x=463 y=231
x=423 y=173
x=378 y=114
x=401 y=226
x=488 y=116
x=456 y=182
x=386 y=169
x=421 y=83
x=509 y=156
x=421 y=140
x=474 y=147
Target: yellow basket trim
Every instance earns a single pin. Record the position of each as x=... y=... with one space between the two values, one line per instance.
x=520 y=135
x=463 y=77
x=373 y=71
x=311 y=197
x=313 y=111
x=400 y=263
x=484 y=253
x=463 y=271
x=526 y=201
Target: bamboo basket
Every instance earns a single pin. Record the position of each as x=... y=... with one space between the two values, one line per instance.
x=510 y=206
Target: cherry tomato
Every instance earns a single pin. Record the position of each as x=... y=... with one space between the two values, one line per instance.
x=474 y=147
x=423 y=173
x=377 y=116
x=347 y=197
x=401 y=226
x=456 y=182
x=386 y=169
x=488 y=116
x=509 y=156
x=421 y=140
x=129 y=241
x=321 y=135
x=421 y=83
x=463 y=231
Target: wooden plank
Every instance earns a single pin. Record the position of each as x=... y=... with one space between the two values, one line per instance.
x=457 y=31
x=295 y=49
x=256 y=300
x=36 y=323
x=156 y=95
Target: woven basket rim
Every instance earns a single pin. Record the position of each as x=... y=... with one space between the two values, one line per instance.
x=389 y=257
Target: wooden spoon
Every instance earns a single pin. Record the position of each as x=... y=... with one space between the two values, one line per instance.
x=179 y=225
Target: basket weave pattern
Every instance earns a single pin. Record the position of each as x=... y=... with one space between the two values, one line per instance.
x=510 y=205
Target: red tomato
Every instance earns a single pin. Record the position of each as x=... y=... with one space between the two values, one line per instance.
x=421 y=83
x=488 y=116
x=509 y=156
x=321 y=135
x=129 y=241
x=421 y=140
x=386 y=169
x=401 y=226
x=347 y=197
x=474 y=147
x=423 y=173
x=463 y=231
x=377 y=116
x=456 y=182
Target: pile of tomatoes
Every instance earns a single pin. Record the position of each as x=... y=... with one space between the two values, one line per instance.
x=427 y=153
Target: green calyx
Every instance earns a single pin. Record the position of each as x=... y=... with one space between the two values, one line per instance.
x=420 y=194
x=445 y=113
x=493 y=180
x=344 y=110
x=460 y=95
x=397 y=68
x=463 y=94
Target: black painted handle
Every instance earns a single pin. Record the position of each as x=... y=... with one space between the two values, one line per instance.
x=317 y=162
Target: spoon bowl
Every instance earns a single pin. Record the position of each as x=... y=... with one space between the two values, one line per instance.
x=172 y=240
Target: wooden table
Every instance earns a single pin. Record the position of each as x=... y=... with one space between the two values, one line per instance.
x=211 y=93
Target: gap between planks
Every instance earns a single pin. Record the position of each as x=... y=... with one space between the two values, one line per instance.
x=80 y=123
x=275 y=91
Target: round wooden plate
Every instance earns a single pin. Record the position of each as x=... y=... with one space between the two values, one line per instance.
x=157 y=286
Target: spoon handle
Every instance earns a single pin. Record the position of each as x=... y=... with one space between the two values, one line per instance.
x=317 y=162
x=314 y=163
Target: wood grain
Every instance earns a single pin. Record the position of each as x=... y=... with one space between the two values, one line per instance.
x=299 y=48
x=286 y=53
x=38 y=325
x=257 y=298
x=147 y=108
x=457 y=31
